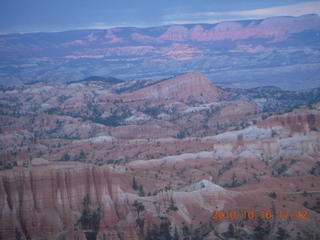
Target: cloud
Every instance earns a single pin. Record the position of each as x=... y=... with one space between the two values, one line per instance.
x=179 y=22
x=294 y=10
x=213 y=17
x=103 y=25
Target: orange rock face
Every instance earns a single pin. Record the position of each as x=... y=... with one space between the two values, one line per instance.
x=297 y=124
x=46 y=200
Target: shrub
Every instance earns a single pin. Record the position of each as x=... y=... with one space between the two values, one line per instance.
x=272 y=195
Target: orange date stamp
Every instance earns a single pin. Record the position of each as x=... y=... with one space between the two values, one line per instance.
x=249 y=214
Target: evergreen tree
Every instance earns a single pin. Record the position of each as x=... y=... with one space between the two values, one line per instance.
x=282 y=234
x=89 y=219
x=141 y=191
x=176 y=234
x=231 y=230
x=134 y=184
x=230 y=233
x=263 y=229
x=185 y=232
x=197 y=235
x=138 y=207
x=82 y=155
x=164 y=232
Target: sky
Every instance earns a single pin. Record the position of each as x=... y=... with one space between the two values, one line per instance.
x=60 y=15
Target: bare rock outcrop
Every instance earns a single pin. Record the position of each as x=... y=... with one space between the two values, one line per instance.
x=189 y=86
x=299 y=122
x=53 y=200
x=45 y=201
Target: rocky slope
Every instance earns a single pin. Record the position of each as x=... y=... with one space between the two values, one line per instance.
x=39 y=119
x=186 y=87
x=270 y=165
x=103 y=160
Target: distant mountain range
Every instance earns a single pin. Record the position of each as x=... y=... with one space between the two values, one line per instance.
x=279 y=51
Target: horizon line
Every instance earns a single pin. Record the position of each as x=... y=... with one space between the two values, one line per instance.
x=166 y=23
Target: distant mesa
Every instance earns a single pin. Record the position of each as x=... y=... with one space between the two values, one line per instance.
x=185 y=87
x=110 y=80
x=278 y=28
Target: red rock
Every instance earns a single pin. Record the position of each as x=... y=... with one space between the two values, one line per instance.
x=186 y=87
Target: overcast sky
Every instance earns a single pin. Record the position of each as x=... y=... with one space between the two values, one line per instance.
x=61 y=15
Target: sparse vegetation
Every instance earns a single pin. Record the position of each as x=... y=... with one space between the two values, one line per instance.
x=262 y=229
x=282 y=169
x=282 y=234
x=141 y=191
x=272 y=195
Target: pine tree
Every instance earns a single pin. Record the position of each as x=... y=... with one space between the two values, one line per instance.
x=141 y=191
x=282 y=234
x=82 y=155
x=134 y=184
x=176 y=234
x=185 y=232
x=165 y=229
x=231 y=230
x=138 y=207
x=90 y=219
